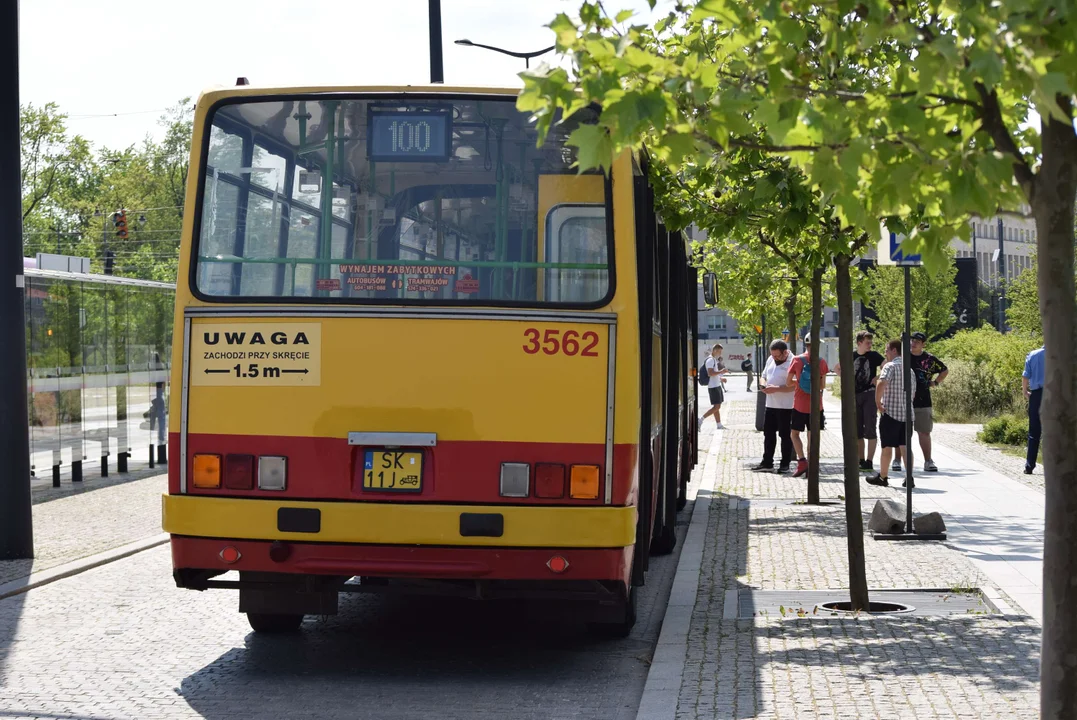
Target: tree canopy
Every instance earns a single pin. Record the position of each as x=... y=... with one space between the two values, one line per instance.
x=70 y=191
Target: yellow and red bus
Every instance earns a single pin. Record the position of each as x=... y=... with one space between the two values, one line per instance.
x=417 y=350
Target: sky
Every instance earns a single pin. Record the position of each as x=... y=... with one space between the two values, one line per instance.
x=114 y=65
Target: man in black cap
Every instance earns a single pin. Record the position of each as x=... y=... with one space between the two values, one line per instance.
x=929 y=372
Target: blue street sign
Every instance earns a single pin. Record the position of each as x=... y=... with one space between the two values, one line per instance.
x=899 y=258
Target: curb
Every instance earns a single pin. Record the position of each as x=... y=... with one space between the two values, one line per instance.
x=663 y=687
x=44 y=577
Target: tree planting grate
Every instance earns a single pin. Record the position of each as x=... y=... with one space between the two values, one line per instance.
x=934 y=602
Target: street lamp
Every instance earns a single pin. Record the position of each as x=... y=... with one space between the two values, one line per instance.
x=526 y=56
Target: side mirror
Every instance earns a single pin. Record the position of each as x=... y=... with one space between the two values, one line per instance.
x=710 y=288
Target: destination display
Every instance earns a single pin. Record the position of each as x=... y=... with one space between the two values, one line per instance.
x=411 y=135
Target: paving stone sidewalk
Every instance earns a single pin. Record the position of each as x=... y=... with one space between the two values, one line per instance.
x=71 y=524
x=768 y=666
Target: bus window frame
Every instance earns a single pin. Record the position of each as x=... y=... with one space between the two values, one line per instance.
x=553 y=230
x=299 y=301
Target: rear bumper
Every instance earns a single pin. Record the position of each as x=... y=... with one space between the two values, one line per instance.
x=399 y=523
x=611 y=564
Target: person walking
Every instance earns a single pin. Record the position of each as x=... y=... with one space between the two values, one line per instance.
x=929 y=372
x=1032 y=383
x=800 y=380
x=716 y=369
x=747 y=369
x=779 y=407
x=866 y=364
x=890 y=398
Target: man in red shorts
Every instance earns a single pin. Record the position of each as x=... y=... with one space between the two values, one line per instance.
x=800 y=380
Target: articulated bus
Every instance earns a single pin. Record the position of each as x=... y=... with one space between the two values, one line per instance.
x=421 y=353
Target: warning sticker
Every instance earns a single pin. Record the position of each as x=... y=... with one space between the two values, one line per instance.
x=256 y=354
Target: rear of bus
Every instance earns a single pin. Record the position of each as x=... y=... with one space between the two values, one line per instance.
x=399 y=324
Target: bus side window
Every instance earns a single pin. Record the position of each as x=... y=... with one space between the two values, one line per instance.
x=576 y=235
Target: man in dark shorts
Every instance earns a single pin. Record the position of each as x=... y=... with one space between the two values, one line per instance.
x=866 y=364
x=799 y=380
x=929 y=372
x=890 y=397
x=716 y=369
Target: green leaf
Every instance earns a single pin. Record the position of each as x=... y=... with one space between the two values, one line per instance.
x=594 y=145
x=627 y=14
x=566 y=31
x=791 y=32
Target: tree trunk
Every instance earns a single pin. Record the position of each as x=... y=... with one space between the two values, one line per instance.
x=854 y=520
x=791 y=315
x=816 y=378
x=1053 y=206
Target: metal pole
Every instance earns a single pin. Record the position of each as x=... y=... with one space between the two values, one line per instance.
x=16 y=521
x=437 y=66
x=1001 y=277
x=906 y=366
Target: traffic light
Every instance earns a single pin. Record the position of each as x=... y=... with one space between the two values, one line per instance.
x=119 y=220
x=110 y=258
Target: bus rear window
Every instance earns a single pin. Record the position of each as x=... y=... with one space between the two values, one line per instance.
x=385 y=201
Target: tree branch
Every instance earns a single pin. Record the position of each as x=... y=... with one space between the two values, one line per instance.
x=991 y=116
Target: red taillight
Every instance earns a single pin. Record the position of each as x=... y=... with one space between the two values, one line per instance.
x=230 y=555
x=549 y=480
x=239 y=472
x=557 y=564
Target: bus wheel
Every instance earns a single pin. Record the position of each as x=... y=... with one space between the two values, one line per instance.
x=274 y=623
x=621 y=625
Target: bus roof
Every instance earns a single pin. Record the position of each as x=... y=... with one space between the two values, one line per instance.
x=213 y=94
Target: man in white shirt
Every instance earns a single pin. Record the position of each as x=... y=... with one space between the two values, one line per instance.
x=715 y=369
x=779 y=410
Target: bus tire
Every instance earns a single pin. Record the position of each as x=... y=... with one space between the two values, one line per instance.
x=621 y=626
x=274 y=623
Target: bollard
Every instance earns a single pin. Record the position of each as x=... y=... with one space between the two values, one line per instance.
x=76 y=471
x=162 y=454
x=760 y=409
x=151 y=455
x=121 y=462
x=104 y=466
x=56 y=476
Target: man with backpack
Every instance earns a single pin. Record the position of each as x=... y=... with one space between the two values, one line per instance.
x=712 y=371
x=800 y=380
x=747 y=369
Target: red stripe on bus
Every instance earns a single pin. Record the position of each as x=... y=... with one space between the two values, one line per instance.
x=453 y=471
x=406 y=561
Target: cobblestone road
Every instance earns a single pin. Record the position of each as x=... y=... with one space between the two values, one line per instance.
x=982 y=666
x=121 y=641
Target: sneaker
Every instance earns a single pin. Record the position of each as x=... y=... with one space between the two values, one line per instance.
x=719 y=426
x=782 y=469
x=896 y=467
x=764 y=466
x=929 y=466
x=700 y=425
x=865 y=465
x=802 y=467
x=1028 y=470
x=878 y=479
x=905 y=484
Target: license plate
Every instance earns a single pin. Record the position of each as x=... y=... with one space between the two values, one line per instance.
x=393 y=471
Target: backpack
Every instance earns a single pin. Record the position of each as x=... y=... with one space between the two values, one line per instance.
x=746 y=366
x=703 y=376
x=805 y=375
